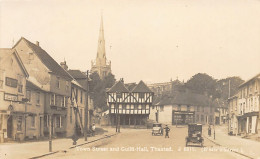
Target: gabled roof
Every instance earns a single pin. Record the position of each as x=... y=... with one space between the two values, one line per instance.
x=47 y=60
x=256 y=76
x=77 y=74
x=4 y=53
x=118 y=87
x=141 y=87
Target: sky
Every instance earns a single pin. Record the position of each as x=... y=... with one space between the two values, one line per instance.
x=154 y=41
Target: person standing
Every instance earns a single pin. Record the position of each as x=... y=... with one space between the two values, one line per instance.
x=93 y=129
x=167 y=129
x=209 y=131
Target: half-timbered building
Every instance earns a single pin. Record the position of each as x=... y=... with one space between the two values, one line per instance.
x=130 y=107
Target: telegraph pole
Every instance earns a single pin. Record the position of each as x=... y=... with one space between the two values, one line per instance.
x=86 y=112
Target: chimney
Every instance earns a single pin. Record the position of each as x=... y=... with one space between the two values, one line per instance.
x=37 y=43
x=122 y=80
x=64 y=65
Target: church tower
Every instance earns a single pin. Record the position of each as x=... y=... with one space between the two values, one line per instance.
x=101 y=65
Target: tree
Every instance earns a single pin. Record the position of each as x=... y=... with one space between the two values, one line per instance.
x=203 y=84
x=223 y=86
x=98 y=89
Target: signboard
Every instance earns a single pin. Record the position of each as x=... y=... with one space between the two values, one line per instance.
x=10 y=97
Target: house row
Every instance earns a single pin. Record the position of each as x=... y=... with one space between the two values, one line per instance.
x=37 y=95
x=243 y=112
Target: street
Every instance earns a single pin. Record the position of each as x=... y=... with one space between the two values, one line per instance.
x=139 y=143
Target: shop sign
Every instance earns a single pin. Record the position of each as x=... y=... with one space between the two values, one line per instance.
x=10 y=97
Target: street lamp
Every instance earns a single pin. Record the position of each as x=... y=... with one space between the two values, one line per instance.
x=86 y=112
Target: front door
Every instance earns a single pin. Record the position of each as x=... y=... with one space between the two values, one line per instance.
x=40 y=126
x=10 y=127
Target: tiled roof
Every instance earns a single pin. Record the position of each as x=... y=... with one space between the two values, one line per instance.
x=77 y=74
x=118 y=87
x=141 y=88
x=256 y=76
x=48 y=61
x=31 y=85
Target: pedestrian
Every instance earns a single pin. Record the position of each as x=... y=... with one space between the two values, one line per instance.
x=167 y=129
x=209 y=131
x=93 y=129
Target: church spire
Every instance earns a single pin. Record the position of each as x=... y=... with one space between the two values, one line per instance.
x=101 y=52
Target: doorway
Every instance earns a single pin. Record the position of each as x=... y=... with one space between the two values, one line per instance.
x=10 y=127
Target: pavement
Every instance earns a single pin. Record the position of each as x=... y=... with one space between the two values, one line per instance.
x=245 y=147
x=39 y=149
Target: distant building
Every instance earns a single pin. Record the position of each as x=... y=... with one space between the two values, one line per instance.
x=233 y=113
x=165 y=87
x=221 y=111
x=131 y=106
x=183 y=107
x=101 y=65
x=13 y=112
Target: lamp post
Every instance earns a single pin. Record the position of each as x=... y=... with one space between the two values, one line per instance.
x=86 y=112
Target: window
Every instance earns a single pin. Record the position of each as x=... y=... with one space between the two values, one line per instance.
x=46 y=121
x=179 y=108
x=20 y=88
x=61 y=121
x=31 y=56
x=28 y=95
x=161 y=108
x=33 y=121
x=58 y=121
x=141 y=95
x=11 y=82
x=67 y=86
x=52 y=99
x=20 y=83
x=202 y=118
x=71 y=109
x=58 y=82
x=63 y=101
x=19 y=123
x=38 y=97
x=188 y=108
x=198 y=118
x=143 y=107
x=81 y=96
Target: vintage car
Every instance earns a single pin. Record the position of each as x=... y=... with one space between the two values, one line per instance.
x=157 y=129
x=195 y=134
